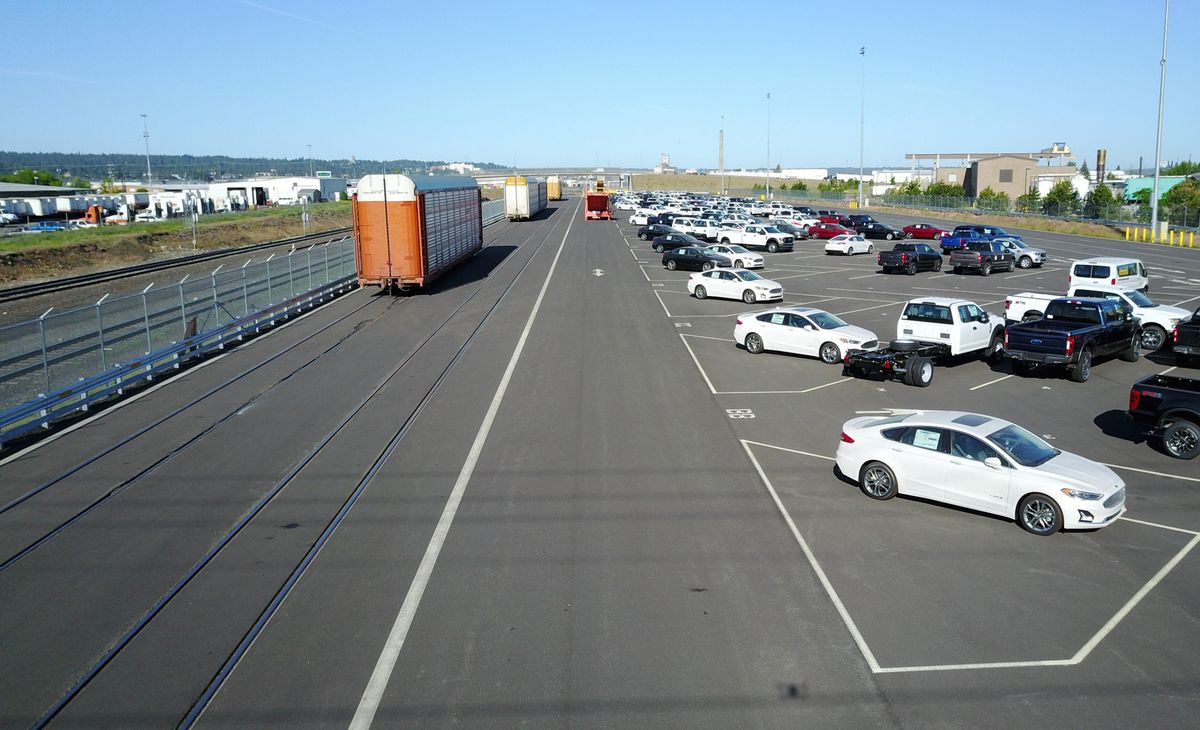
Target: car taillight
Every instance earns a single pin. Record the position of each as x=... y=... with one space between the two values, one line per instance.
x=1070 y=344
x=1175 y=336
x=1135 y=397
x=846 y=439
x=903 y=258
x=1006 y=339
x=979 y=257
x=739 y=320
x=1007 y=304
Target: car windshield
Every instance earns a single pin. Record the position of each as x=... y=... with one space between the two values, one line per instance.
x=738 y=249
x=1025 y=448
x=749 y=276
x=826 y=321
x=772 y=229
x=1140 y=299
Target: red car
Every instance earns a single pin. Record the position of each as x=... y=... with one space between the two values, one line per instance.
x=834 y=218
x=924 y=230
x=827 y=230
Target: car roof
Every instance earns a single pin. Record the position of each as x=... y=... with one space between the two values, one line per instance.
x=790 y=310
x=972 y=423
x=944 y=301
x=1106 y=260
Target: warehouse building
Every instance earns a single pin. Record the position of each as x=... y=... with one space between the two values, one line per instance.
x=1013 y=175
x=242 y=194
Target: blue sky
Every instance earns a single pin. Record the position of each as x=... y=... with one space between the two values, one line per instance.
x=598 y=83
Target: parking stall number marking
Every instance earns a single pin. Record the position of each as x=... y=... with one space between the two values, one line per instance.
x=683 y=324
x=739 y=413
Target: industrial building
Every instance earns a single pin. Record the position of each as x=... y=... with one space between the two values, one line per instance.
x=242 y=194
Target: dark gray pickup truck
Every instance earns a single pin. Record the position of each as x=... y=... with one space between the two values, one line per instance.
x=1072 y=333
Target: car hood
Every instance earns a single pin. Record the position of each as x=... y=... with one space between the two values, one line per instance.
x=856 y=333
x=1170 y=312
x=769 y=284
x=1077 y=471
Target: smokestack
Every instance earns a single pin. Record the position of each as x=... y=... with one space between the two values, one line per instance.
x=1101 y=156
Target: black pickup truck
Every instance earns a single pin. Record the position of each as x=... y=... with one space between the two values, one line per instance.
x=1185 y=340
x=1073 y=332
x=910 y=258
x=1170 y=407
x=982 y=256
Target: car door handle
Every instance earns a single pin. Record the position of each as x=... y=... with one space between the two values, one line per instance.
x=895 y=449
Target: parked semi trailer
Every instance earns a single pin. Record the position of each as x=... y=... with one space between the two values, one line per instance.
x=553 y=188
x=596 y=206
x=523 y=197
x=408 y=231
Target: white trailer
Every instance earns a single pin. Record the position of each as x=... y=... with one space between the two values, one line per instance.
x=524 y=197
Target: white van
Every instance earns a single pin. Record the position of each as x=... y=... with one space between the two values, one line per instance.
x=1109 y=272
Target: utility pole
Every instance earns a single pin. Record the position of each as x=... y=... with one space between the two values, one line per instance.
x=146 y=136
x=721 y=155
x=310 y=171
x=1162 y=88
x=768 y=145
x=862 y=115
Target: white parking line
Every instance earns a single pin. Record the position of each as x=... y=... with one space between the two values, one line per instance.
x=991 y=382
x=1185 y=301
x=866 y=276
x=1028 y=273
x=699 y=367
x=939 y=276
x=664 y=304
x=861 y=642
x=706 y=337
x=866 y=309
x=1153 y=473
x=368 y=705
x=1161 y=527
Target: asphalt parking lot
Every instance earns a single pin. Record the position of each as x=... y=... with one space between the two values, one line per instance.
x=923 y=588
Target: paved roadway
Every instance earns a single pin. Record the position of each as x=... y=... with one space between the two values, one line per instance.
x=560 y=524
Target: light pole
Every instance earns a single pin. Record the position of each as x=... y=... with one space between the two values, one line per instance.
x=310 y=172
x=1162 y=88
x=146 y=136
x=862 y=113
x=768 y=145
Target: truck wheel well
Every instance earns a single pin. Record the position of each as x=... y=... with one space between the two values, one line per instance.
x=1170 y=417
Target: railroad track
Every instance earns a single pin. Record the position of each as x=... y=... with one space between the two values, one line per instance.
x=30 y=290
x=201 y=703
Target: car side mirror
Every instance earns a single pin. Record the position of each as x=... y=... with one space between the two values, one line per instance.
x=993 y=461
x=810 y=328
x=984 y=317
x=1128 y=316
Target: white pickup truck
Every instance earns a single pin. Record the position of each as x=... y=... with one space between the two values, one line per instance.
x=759 y=236
x=703 y=228
x=1156 y=319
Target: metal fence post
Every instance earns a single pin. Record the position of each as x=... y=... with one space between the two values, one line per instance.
x=100 y=332
x=325 y=246
x=216 y=309
x=309 y=254
x=146 y=316
x=245 y=291
x=270 y=289
x=182 y=310
x=291 y=274
x=45 y=357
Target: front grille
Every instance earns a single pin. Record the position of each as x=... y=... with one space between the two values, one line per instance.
x=870 y=344
x=1116 y=500
x=777 y=290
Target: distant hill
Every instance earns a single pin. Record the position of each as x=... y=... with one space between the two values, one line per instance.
x=122 y=166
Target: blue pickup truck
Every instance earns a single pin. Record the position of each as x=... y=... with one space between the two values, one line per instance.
x=964 y=234
x=1072 y=333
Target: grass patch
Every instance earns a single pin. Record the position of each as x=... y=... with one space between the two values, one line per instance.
x=1049 y=225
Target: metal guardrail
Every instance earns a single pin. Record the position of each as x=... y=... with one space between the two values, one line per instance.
x=28 y=290
x=61 y=363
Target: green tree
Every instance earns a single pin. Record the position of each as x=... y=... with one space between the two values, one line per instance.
x=108 y=187
x=1142 y=199
x=991 y=200
x=81 y=182
x=1062 y=200
x=1187 y=167
x=29 y=176
x=1030 y=202
x=1099 y=203
x=799 y=186
x=912 y=187
x=1182 y=203
x=1083 y=170
x=945 y=189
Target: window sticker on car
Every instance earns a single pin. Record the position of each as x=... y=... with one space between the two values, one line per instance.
x=926 y=439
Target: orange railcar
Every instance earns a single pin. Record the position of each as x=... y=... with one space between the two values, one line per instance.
x=410 y=230
x=596 y=207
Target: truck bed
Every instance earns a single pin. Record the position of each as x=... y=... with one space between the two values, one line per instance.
x=1170 y=382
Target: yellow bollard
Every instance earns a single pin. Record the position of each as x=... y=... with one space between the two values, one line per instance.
x=1153 y=236
x=1126 y=233
x=1170 y=237
x=1191 y=239
x=1145 y=235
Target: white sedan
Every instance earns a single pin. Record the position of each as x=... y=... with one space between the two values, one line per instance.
x=640 y=218
x=801 y=331
x=739 y=257
x=849 y=244
x=625 y=204
x=981 y=463
x=734 y=284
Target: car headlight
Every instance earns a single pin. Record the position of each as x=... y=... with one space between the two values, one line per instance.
x=1080 y=494
x=1174 y=322
x=846 y=341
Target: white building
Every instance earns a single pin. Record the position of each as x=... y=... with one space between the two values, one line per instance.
x=1045 y=182
x=242 y=194
x=462 y=168
x=792 y=173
